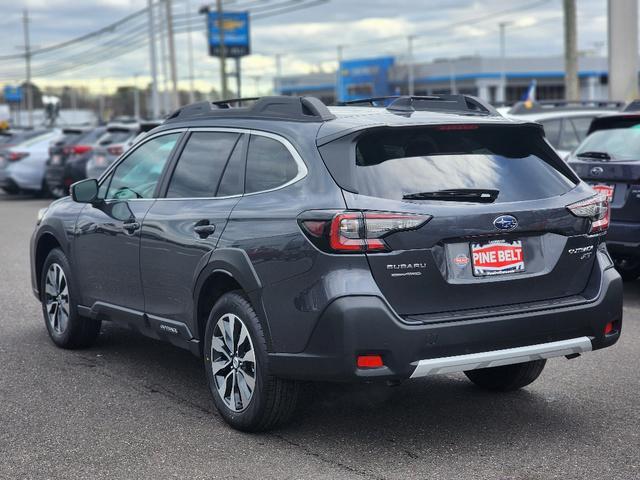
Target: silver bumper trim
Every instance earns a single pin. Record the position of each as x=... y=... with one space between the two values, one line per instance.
x=496 y=358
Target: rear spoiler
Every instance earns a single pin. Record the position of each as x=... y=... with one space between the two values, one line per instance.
x=609 y=122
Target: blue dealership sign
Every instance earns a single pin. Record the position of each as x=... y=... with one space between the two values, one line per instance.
x=12 y=94
x=236 y=34
x=363 y=78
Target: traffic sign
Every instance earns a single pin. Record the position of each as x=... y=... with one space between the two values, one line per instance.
x=12 y=94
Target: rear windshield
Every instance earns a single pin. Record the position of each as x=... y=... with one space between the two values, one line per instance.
x=92 y=136
x=392 y=163
x=116 y=136
x=618 y=144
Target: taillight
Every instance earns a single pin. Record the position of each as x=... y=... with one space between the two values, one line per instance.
x=356 y=232
x=78 y=149
x=15 y=156
x=596 y=209
x=117 y=151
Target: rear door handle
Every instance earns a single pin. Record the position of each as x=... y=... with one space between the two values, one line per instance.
x=131 y=226
x=203 y=231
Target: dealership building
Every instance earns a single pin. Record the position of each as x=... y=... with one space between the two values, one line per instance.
x=479 y=76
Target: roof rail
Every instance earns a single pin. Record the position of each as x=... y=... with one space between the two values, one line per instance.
x=538 y=106
x=297 y=109
x=438 y=103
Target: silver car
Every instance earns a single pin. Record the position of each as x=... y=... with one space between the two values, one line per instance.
x=22 y=167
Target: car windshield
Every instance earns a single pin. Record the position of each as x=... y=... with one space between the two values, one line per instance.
x=619 y=144
x=38 y=139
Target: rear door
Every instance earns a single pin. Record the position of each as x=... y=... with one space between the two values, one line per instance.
x=516 y=243
x=181 y=230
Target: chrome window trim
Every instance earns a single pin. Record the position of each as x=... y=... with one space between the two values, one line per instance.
x=302 y=167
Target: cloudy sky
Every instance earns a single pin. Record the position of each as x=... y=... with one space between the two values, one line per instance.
x=307 y=38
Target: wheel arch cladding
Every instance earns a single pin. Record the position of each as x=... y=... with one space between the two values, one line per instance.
x=229 y=269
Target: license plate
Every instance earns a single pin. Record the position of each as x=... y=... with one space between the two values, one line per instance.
x=605 y=189
x=55 y=159
x=498 y=257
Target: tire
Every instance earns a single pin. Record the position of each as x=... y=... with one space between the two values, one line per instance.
x=272 y=400
x=66 y=327
x=628 y=268
x=44 y=191
x=507 y=377
x=11 y=190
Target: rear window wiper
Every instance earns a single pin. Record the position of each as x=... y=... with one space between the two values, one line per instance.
x=457 y=195
x=595 y=155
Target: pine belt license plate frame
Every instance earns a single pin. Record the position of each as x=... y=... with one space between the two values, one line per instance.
x=497 y=257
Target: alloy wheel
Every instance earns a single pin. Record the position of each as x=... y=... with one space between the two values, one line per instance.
x=57 y=298
x=233 y=362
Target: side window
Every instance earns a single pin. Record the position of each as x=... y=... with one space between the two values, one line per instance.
x=137 y=175
x=202 y=164
x=269 y=164
x=552 y=131
x=581 y=125
x=232 y=182
x=568 y=138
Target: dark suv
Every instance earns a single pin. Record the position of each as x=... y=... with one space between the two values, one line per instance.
x=609 y=160
x=287 y=241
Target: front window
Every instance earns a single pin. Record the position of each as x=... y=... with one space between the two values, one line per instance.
x=138 y=174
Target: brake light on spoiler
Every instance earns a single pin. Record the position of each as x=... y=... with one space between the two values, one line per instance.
x=596 y=209
x=356 y=231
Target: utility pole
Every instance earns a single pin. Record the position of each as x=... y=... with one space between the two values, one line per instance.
x=172 y=57
x=410 y=66
x=163 y=63
x=452 y=78
x=503 y=62
x=339 y=56
x=136 y=97
x=223 y=53
x=571 y=86
x=278 y=73
x=155 y=103
x=623 y=49
x=192 y=89
x=27 y=60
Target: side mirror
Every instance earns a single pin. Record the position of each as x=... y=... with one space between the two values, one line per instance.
x=85 y=191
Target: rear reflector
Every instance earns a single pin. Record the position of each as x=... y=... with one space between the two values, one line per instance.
x=608 y=328
x=370 y=361
x=596 y=208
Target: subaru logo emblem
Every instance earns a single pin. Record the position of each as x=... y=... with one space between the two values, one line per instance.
x=505 y=222
x=596 y=171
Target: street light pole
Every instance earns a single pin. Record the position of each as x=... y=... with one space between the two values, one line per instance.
x=192 y=90
x=410 y=72
x=223 y=53
x=172 y=57
x=572 y=88
x=136 y=97
x=339 y=56
x=155 y=104
x=278 y=73
x=27 y=59
x=503 y=62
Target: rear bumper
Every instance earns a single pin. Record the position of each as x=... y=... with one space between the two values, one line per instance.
x=358 y=325
x=623 y=238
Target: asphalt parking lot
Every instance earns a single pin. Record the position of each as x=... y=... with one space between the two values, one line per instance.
x=131 y=407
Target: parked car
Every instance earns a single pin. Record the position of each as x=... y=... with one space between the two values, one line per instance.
x=565 y=123
x=68 y=158
x=22 y=166
x=119 y=138
x=286 y=241
x=609 y=160
x=11 y=138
